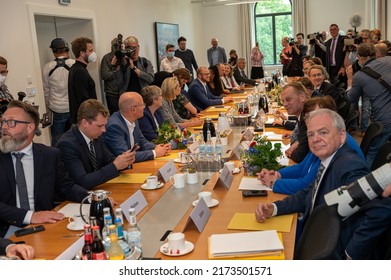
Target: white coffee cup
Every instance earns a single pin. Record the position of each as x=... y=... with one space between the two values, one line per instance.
x=192 y=178
x=76 y=222
x=152 y=182
x=230 y=165
x=178 y=180
x=207 y=196
x=176 y=243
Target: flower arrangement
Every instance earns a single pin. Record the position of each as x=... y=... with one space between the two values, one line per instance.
x=170 y=133
x=261 y=154
x=274 y=94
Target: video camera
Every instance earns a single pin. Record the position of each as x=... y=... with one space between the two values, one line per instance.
x=313 y=36
x=352 y=42
x=123 y=54
x=291 y=41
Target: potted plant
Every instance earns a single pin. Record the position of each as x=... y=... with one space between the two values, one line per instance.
x=170 y=133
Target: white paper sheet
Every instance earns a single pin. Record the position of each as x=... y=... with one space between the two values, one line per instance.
x=252 y=183
x=72 y=209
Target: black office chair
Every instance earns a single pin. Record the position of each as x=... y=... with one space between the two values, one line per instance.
x=320 y=235
x=382 y=156
x=343 y=109
x=351 y=117
x=373 y=131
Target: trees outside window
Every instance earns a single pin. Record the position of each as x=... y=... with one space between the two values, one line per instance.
x=273 y=20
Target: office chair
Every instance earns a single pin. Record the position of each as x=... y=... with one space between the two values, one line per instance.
x=373 y=131
x=343 y=109
x=351 y=117
x=320 y=235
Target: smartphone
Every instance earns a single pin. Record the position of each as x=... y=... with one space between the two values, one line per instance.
x=135 y=147
x=29 y=230
x=254 y=193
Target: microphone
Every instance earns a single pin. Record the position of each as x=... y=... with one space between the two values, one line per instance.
x=21 y=95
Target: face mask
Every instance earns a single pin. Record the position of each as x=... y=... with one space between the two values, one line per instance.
x=170 y=54
x=92 y=57
x=2 y=79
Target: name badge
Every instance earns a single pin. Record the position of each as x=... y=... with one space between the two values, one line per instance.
x=137 y=201
x=167 y=170
x=194 y=148
x=199 y=216
x=225 y=178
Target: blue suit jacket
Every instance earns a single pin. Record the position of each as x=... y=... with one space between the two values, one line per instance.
x=51 y=183
x=147 y=123
x=117 y=138
x=221 y=57
x=3 y=245
x=201 y=99
x=75 y=154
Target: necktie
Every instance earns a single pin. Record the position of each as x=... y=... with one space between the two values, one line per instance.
x=131 y=137
x=332 y=50
x=21 y=182
x=93 y=156
x=316 y=185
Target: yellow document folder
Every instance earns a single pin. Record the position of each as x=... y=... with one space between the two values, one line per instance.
x=247 y=221
x=130 y=178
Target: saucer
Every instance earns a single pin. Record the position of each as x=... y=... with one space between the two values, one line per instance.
x=215 y=202
x=178 y=160
x=159 y=185
x=235 y=171
x=166 y=251
x=71 y=226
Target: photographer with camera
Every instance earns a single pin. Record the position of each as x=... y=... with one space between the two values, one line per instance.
x=297 y=51
x=317 y=47
x=109 y=65
x=5 y=95
x=138 y=72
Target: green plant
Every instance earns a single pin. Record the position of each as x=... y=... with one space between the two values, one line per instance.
x=261 y=154
x=170 y=133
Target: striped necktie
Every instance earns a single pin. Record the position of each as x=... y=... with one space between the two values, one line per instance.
x=316 y=185
x=93 y=156
x=21 y=182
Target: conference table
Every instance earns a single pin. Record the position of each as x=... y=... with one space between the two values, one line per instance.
x=168 y=209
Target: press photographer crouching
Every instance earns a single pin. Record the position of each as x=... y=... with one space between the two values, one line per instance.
x=138 y=71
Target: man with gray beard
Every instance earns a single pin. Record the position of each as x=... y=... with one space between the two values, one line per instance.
x=33 y=176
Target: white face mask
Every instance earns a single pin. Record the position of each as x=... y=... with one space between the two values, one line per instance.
x=2 y=79
x=92 y=57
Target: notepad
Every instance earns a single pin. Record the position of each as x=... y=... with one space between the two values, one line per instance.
x=245 y=243
x=252 y=183
x=130 y=178
x=247 y=221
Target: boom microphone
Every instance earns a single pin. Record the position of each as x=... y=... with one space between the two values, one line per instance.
x=355 y=21
x=21 y=95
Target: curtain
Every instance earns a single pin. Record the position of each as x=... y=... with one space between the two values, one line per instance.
x=246 y=15
x=380 y=13
x=299 y=15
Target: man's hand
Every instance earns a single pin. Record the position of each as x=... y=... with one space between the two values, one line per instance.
x=50 y=217
x=387 y=191
x=290 y=150
x=25 y=252
x=341 y=71
x=227 y=99
x=162 y=150
x=263 y=211
x=113 y=61
x=268 y=177
x=286 y=136
x=124 y=160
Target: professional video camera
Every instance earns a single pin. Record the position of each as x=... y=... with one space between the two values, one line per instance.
x=313 y=36
x=352 y=42
x=291 y=41
x=122 y=54
x=350 y=198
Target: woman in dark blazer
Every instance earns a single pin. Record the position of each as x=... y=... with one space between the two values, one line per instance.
x=153 y=118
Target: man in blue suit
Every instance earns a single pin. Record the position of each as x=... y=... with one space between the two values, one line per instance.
x=199 y=94
x=341 y=165
x=123 y=131
x=33 y=176
x=86 y=158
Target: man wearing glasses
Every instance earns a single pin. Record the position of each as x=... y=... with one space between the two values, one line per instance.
x=33 y=176
x=123 y=132
x=5 y=95
x=139 y=72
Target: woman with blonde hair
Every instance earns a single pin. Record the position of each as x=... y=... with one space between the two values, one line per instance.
x=170 y=90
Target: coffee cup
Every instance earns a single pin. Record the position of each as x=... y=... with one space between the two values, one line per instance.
x=152 y=182
x=207 y=196
x=230 y=165
x=192 y=178
x=176 y=243
x=178 y=180
x=76 y=222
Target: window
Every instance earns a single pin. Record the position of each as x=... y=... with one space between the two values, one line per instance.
x=273 y=20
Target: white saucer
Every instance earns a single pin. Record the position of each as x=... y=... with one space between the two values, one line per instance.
x=215 y=202
x=159 y=185
x=178 y=160
x=71 y=226
x=166 y=251
x=235 y=171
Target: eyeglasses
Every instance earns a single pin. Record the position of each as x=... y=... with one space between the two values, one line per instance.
x=205 y=74
x=12 y=123
x=317 y=75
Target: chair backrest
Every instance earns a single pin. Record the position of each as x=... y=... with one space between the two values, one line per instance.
x=381 y=156
x=351 y=117
x=320 y=235
x=373 y=131
x=343 y=109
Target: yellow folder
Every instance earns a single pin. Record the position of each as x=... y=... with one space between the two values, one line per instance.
x=247 y=221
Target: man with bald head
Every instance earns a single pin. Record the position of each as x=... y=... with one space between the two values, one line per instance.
x=216 y=54
x=123 y=131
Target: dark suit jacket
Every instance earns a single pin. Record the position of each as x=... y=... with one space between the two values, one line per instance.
x=302 y=149
x=345 y=167
x=221 y=58
x=117 y=138
x=3 y=245
x=242 y=79
x=339 y=53
x=201 y=99
x=147 y=123
x=51 y=182
x=329 y=89
x=75 y=154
